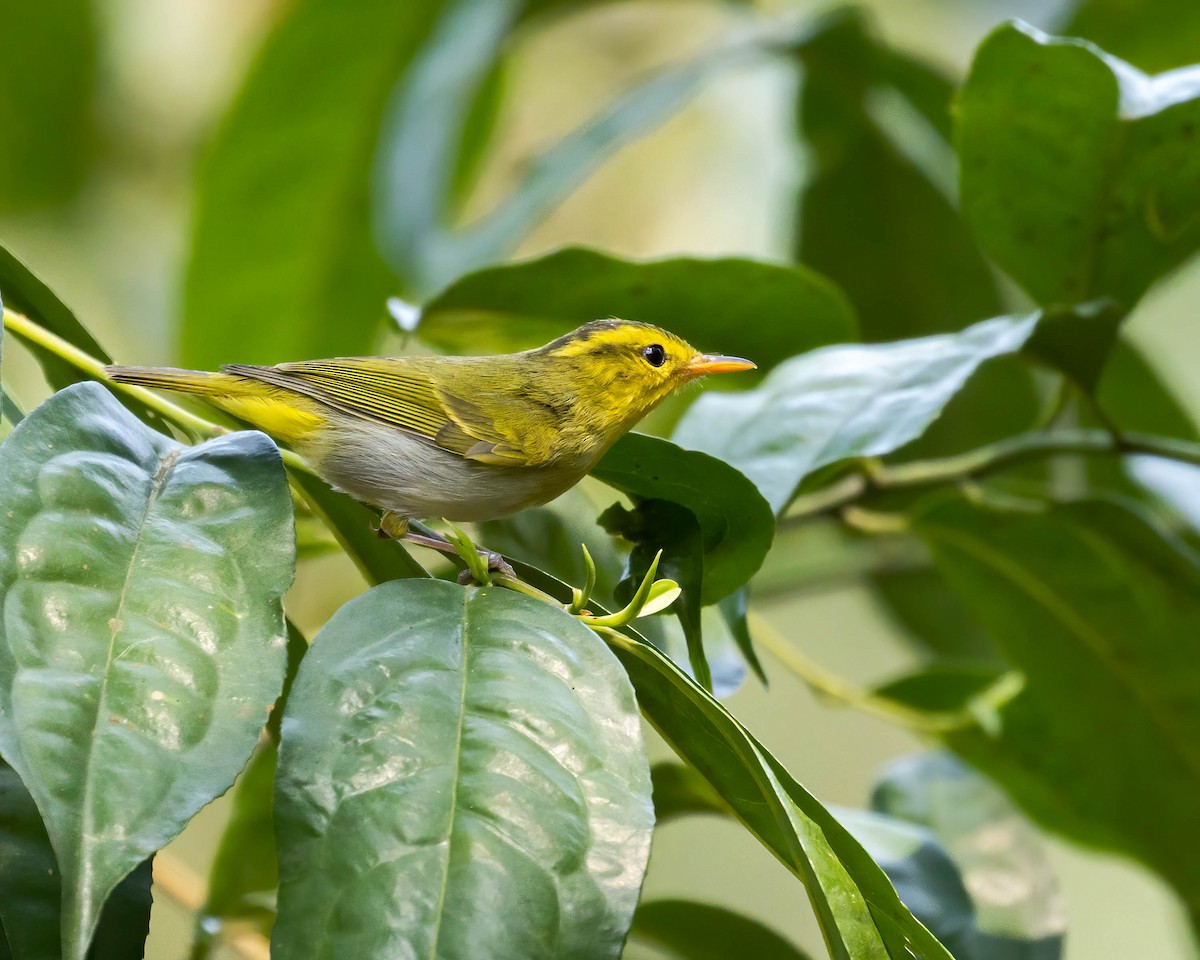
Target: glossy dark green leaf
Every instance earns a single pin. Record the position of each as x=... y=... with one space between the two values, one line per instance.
x=143 y=640
x=1018 y=910
x=688 y=930
x=1151 y=34
x=283 y=264
x=856 y=906
x=736 y=523
x=1101 y=614
x=679 y=791
x=245 y=872
x=869 y=218
x=841 y=402
x=1079 y=174
x=355 y=525
x=756 y=310
x=31 y=889
x=468 y=765
x=46 y=102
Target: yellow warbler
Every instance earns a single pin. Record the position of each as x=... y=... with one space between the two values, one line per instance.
x=464 y=438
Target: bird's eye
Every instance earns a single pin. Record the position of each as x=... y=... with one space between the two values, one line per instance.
x=655 y=355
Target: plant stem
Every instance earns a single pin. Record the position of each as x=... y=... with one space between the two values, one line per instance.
x=825 y=683
x=985 y=460
x=32 y=333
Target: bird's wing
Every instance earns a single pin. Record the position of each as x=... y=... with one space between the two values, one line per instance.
x=399 y=394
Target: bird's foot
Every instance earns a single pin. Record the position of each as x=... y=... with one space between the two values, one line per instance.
x=392 y=526
x=495 y=564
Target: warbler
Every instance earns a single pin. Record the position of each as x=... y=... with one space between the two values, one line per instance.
x=462 y=438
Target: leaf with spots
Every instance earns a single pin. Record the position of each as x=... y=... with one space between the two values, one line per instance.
x=461 y=774
x=1080 y=174
x=142 y=640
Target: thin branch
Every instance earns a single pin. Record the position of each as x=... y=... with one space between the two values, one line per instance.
x=986 y=460
x=828 y=684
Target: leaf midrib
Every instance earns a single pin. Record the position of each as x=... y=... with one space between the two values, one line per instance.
x=439 y=911
x=1062 y=611
x=158 y=483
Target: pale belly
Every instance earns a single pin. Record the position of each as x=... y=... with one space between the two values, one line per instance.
x=395 y=471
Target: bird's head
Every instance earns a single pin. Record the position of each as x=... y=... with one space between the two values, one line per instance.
x=629 y=367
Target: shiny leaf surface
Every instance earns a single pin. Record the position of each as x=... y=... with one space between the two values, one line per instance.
x=755 y=310
x=840 y=402
x=736 y=523
x=1079 y=173
x=855 y=904
x=1100 y=612
x=143 y=640
x=476 y=749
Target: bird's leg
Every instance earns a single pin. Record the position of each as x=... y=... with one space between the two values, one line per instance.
x=394 y=526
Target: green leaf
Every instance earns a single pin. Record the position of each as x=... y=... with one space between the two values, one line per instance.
x=476 y=749
x=30 y=889
x=680 y=790
x=842 y=402
x=869 y=218
x=143 y=639
x=925 y=876
x=45 y=102
x=282 y=261
x=666 y=534
x=1018 y=912
x=736 y=524
x=856 y=906
x=733 y=611
x=354 y=525
x=245 y=872
x=941 y=687
x=688 y=930
x=1077 y=340
x=756 y=310
x=1100 y=612
x=933 y=616
x=1151 y=34
x=1079 y=173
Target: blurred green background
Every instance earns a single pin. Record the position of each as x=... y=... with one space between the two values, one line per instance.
x=105 y=213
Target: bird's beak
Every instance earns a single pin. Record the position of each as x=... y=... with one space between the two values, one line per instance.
x=705 y=363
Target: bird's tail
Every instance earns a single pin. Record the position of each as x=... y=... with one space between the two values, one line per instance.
x=183 y=381
x=284 y=414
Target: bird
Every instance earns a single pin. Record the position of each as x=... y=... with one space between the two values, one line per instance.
x=463 y=438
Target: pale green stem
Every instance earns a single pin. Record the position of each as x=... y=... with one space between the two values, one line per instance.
x=829 y=684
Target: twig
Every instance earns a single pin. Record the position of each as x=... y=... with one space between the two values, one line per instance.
x=985 y=460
